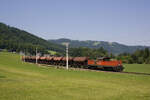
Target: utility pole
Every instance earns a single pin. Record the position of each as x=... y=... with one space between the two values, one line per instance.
x=24 y=55
x=67 y=44
x=36 y=56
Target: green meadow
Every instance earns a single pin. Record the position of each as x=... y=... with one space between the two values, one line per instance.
x=25 y=81
x=141 y=68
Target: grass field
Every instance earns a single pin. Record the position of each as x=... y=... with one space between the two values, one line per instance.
x=23 y=81
x=143 y=68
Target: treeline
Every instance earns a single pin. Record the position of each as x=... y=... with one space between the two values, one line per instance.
x=88 y=52
x=139 y=57
x=21 y=47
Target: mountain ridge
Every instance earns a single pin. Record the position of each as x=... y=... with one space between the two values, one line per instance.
x=111 y=47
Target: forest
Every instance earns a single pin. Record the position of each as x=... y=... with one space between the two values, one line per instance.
x=139 y=57
x=16 y=40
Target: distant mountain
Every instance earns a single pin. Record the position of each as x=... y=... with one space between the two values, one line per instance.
x=14 y=38
x=111 y=47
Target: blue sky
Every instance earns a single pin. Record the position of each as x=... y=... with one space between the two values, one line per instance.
x=123 y=21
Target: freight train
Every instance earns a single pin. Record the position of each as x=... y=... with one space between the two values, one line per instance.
x=103 y=63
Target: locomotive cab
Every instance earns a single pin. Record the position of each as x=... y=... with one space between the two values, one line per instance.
x=107 y=64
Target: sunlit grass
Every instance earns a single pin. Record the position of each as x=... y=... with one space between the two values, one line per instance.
x=143 y=68
x=52 y=52
x=24 y=81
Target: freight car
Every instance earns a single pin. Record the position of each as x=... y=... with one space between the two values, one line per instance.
x=104 y=63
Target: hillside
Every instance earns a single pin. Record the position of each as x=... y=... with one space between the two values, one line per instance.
x=14 y=38
x=112 y=47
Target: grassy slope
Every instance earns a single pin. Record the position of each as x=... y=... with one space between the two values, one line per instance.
x=52 y=52
x=23 y=81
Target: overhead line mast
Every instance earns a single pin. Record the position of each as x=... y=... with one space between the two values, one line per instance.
x=67 y=44
x=36 y=56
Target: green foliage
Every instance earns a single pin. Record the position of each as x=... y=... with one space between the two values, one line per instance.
x=88 y=52
x=139 y=57
x=147 y=61
x=16 y=40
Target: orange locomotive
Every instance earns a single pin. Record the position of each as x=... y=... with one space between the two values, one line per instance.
x=105 y=63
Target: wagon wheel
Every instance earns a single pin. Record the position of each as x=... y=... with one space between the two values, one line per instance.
x=115 y=69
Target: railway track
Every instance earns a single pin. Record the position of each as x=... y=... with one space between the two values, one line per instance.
x=62 y=67
x=137 y=73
